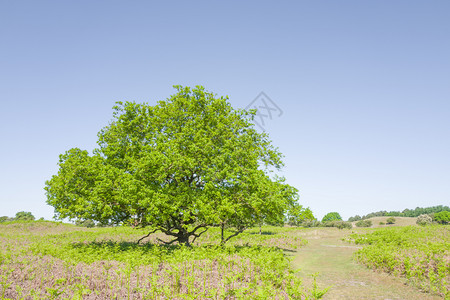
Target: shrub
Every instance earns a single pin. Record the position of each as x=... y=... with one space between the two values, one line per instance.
x=390 y=221
x=364 y=223
x=382 y=223
x=342 y=225
x=338 y=224
x=332 y=216
x=85 y=223
x=355 y=218
x=4 y=219
x=442 y=217
x=24 y=216
x=424 y=220
x=310 y=223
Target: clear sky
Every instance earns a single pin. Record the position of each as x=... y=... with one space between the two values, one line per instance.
x=364 y=88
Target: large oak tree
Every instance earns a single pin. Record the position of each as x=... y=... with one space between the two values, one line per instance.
x=181 y=166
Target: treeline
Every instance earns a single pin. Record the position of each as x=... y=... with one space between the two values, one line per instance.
x=405 y=213
x=20 y=216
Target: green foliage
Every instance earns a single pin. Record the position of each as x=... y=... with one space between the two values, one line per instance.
x=405 y=213
x=338 y=224
x=85 y=223
x=24 y=216
x=382 y=223
x=310 y=223
x=390 y=221
x=418 y=253
x=180 y=167
x=364 y=223
x=424 y=220
x=442 y=217
x=298 y=216
x=355 y=218
x=4 y=219
x=332 y=216
x=61 y=261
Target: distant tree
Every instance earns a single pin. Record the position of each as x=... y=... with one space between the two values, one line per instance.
x=332 y=216
x=338 y=224
x=364 y=223
x=390 y=220
x=394 y=214
x=297 y=215
x=355 y=218
x=4 y=219
x=424 y=220
x=179 y=167
x=85 y=223
x=24 y=216
x=442 y=217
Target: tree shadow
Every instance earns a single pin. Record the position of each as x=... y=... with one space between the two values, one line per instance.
x=124 y=246
x=152 y=248
x=264 y=232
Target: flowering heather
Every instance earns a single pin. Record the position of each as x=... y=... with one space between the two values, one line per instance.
x=48 y=260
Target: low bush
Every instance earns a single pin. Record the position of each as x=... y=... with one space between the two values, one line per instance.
x=310 y=223
x=442 y=217
x=382 y=223
x=424 y=220
x=390 y=221
x=364 y=223
x=418 y=253
x=338 y=224
x=85 y=223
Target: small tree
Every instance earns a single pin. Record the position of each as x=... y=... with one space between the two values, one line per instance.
x=298 y=215
x=364 y=223
x=179 y=167
x=4 y=219
x=24 y=216
x=355 y=218
x=332 y=216
x=424 y=220
x=85 y=223
x=442 y=217
x=390 y=220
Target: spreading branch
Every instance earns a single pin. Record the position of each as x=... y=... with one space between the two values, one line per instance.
x=147 y=235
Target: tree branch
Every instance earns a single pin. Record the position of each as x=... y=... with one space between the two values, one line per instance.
x=198 y=235
x=234 y=234
x=167 y=243
x=147 y=235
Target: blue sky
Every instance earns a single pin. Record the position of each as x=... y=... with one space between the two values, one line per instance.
x=364 y=88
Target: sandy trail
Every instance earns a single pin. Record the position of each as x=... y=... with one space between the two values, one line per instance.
x=327 y=254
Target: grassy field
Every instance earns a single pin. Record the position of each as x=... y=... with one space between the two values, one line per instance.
x=421 y=254
x=48 y=260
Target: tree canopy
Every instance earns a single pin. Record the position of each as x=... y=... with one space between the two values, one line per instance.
x=24 y=216
x=405 y=213
x=297 y=215
x=181 y=166
x=332 y=216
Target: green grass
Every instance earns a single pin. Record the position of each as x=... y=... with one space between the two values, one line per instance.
x=48 y=260
x=421 y=254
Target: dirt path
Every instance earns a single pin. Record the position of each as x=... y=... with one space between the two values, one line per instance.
x=327 y=254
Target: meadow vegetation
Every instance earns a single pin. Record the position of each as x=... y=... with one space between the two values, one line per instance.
x=49 y=260
x=419 y=253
